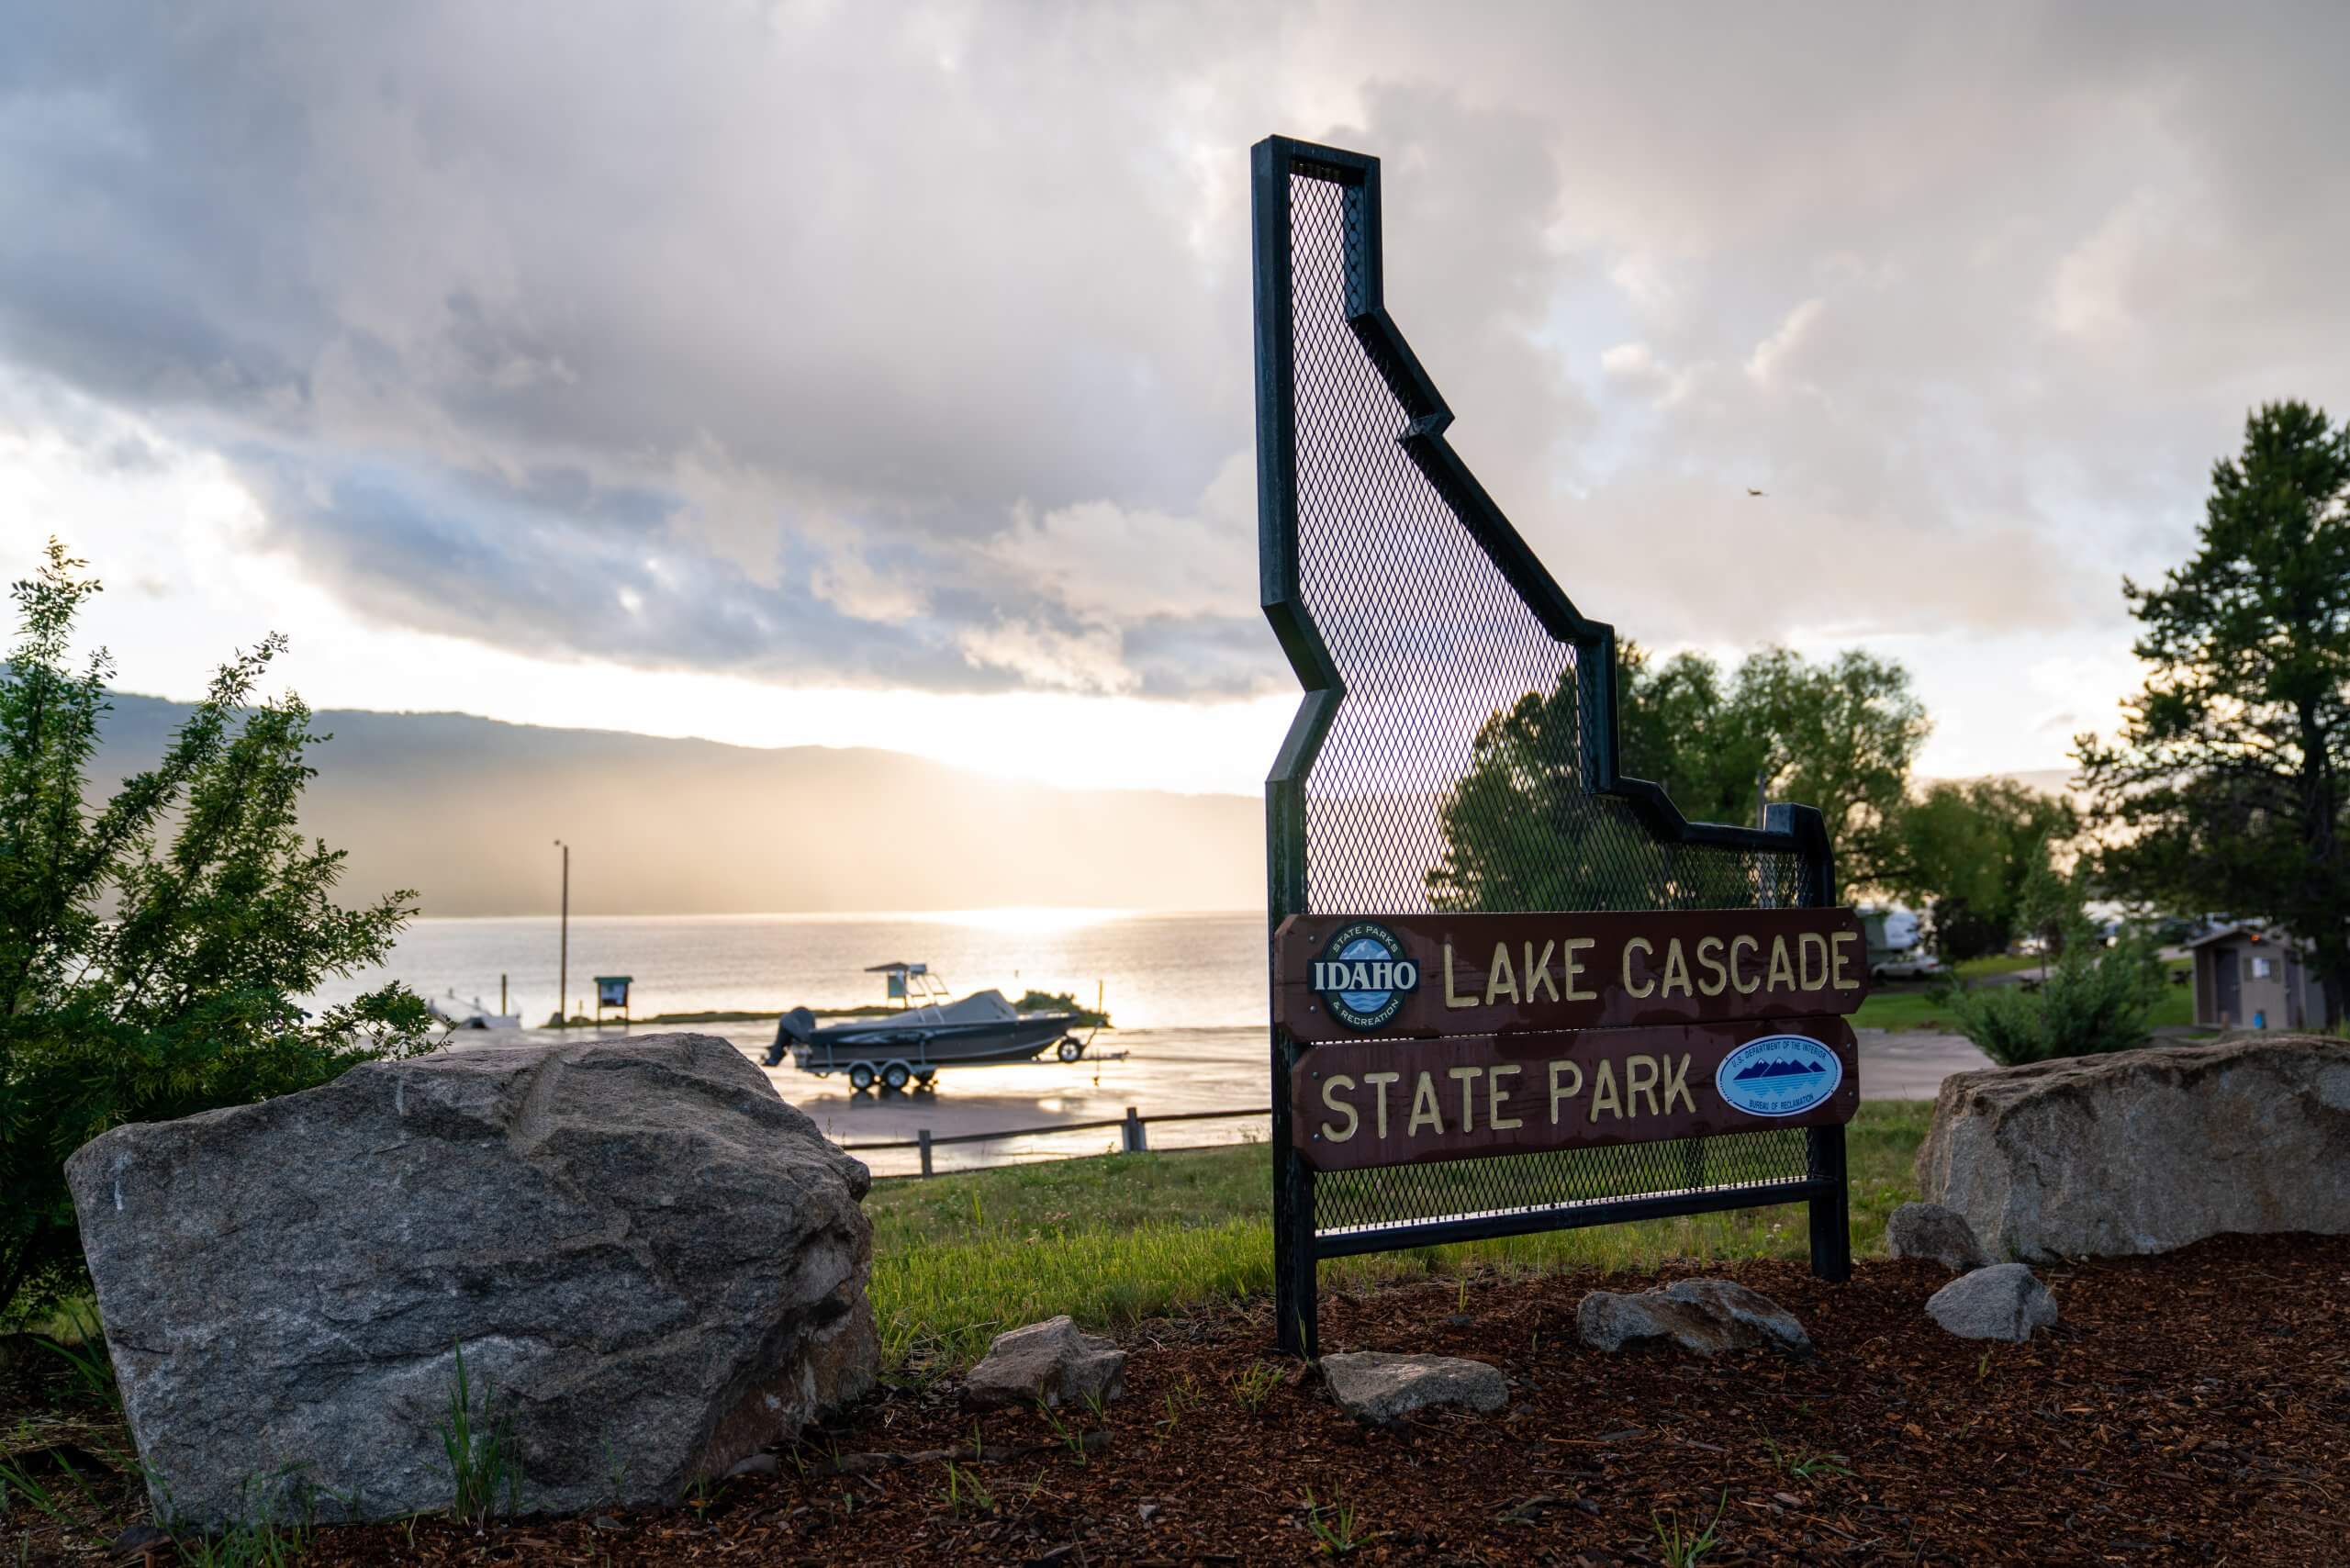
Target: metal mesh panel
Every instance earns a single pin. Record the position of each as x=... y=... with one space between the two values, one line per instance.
x=1353 y=1202
x=1456 y=774
x=1439 y=653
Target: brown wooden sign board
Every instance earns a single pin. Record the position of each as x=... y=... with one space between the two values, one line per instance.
x=1401 y=1101
x=1499 y=974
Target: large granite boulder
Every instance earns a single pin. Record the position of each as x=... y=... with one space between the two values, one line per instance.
x=2146 y=1150
x=654 y=1266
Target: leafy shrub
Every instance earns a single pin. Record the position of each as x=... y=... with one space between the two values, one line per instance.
x=2095 y=999
x=1062 y=1002
x=1961 y=932
x=153 y=951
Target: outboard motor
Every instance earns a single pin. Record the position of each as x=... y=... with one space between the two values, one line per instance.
x=797 y=1027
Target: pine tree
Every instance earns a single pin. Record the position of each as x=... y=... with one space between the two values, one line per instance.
x=2225 y=787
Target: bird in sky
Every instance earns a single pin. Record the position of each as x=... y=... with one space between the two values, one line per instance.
x=1752 y=491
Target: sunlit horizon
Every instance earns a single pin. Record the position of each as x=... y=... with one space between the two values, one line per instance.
x=1009 y=918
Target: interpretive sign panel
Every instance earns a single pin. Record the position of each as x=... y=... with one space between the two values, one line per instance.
x=1337 y=976
x=1513 y=988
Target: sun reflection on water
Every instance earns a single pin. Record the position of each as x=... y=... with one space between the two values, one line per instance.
x=1023 y=920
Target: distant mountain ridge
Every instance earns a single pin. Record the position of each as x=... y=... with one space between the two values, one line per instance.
x=466 y=809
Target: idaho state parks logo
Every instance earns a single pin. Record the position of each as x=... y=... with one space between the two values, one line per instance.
x=1362 y=975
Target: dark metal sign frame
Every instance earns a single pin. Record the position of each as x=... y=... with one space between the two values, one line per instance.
x=1388 y=572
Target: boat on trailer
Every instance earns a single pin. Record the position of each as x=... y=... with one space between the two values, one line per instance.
x=926 y=1034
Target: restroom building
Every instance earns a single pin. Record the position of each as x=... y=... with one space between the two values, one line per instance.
x=2250 y=977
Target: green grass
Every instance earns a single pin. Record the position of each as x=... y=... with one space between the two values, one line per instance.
x=1997 y=964
x=1919 y=1010
x=1904 y=1010
x=1116 y=1239
x=2177 y=1006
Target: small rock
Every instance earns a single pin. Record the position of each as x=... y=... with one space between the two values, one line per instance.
x=1704 y=1315
x=138 y=1542
x=1379 y=1387
x=1148 y=1511
x=1933 y=1232
x=756 y=1464
x=1054 y=1361
x=603 y=1521
x=2005 y=1301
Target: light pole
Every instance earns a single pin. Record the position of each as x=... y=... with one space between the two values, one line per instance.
x=563 y=962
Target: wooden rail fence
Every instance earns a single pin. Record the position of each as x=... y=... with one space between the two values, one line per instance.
x=1131 y=1124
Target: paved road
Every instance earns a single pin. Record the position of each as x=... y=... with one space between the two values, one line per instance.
x=1910 y=1064
x=1159 y=1071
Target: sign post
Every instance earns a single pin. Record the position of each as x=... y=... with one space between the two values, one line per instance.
x=1513 y=989
x=611 y=990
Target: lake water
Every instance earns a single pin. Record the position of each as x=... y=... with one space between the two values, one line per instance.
x=1150 y=970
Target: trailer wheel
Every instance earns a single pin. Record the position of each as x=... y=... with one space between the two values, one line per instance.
x=1071 y=1048
x=860 y=1076
x=895 y=1076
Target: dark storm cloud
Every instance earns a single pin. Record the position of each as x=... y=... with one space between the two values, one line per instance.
x=909 y=345
x=554 y=567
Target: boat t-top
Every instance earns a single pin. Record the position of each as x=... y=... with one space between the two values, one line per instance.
x=927 y=1033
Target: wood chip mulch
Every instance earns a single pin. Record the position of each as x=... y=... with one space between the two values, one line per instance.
x=2189 y=1408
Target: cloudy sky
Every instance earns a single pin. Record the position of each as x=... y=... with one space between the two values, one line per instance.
x=860 y=373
